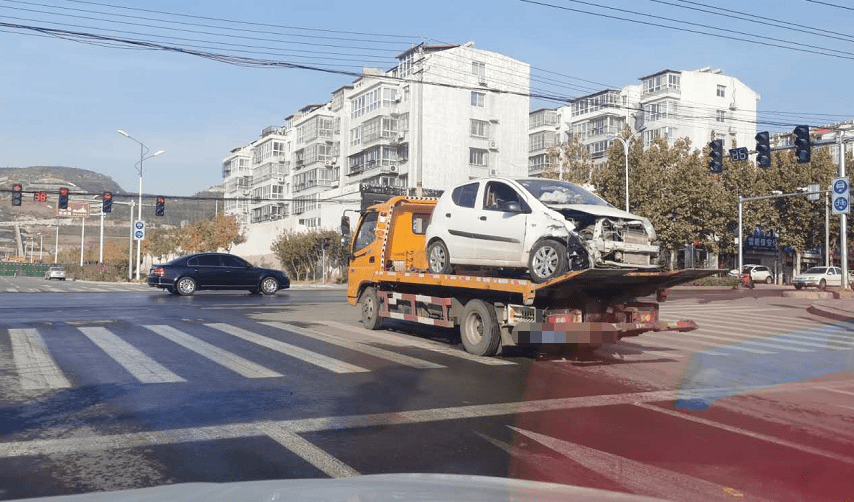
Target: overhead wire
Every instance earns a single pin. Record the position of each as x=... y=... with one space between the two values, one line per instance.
x=831 y=4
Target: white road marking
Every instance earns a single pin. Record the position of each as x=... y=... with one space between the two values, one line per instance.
x=325 y=462
x=839 y=391
x=687 y=338
x=300 y=353
x=694 y=347
x=638 y=477
x=745 y=432
x=358 y=347
x=83 y=323
x=142 y=367
x=36 y=368
x=413 y=341
x=730 y=340
x=298 y=426
x=222 y=357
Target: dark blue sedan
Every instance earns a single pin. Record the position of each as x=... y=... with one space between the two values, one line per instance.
x=188 y=274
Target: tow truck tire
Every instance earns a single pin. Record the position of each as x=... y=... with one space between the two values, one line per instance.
x=438 y=258
x=370 y=303
x=547 y=260
x=479 y=329
x=798 y=286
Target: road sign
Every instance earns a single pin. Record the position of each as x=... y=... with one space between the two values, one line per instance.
x=737 y=154
x=139 y=230
x=839 y=197
x=814 y=189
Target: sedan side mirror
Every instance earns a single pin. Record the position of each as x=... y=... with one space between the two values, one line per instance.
x=511 y=206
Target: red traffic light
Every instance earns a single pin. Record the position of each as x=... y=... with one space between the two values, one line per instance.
x=108 y=196
x=17 y=187
x=160 y=200
x=63 y=191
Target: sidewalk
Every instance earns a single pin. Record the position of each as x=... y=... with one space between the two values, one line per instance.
x=840 y=309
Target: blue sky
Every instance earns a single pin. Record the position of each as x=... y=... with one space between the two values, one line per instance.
x=62 y=101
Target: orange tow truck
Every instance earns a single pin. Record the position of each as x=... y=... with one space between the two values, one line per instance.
x=388 y=279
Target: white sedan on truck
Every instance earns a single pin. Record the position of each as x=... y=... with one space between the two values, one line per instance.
x=548 y=227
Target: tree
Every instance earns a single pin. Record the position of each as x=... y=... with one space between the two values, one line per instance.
x=209 y=235
x=301 y=253
x=570 y=162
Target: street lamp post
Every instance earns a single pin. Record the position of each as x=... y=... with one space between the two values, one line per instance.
x=41 y=246
x=626 y=149
x=142 y=151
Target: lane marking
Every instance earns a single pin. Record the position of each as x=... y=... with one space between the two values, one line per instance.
x=287 y=349
x=356 y=346
x=36 y=368
x=222 y=357
x=142 y=367
x=298 y=426
x=83 y=323
x=839 y=391
x=694 y=347
x=751 y=434
x=730 y=340
x=414 y=341
x=687 y=338
x=325 y=462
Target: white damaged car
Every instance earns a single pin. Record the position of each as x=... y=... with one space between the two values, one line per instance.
x=548 y=227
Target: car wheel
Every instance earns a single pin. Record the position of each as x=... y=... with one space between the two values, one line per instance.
x=186 y=286
x=798 y=286
x=269 y=286
x=479 y=329
x=768 y=280
x=547 y=260
x=438 y=258
x=370 y=303
x=822 y=285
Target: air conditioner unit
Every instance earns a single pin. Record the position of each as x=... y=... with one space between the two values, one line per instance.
x=280 y=179
x=397 y=98
x=493 y=172
x=392 y=169
x=329 y=163
x=482 y=81
x=401 y=135
x=493 y=145
x=732 y=129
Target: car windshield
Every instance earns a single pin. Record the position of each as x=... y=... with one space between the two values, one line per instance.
x=560 y=192
x=817 y=270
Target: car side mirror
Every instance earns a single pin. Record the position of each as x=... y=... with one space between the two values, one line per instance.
x=510 y=206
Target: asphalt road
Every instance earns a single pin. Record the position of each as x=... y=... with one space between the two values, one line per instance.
x=118 y=387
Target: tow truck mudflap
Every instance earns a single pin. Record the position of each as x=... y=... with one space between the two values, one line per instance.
x=584 y=333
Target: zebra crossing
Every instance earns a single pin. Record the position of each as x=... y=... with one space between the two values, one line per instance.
x=729 y=330
x=66 y=355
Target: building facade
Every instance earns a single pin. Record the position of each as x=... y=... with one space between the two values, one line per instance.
x=700 y=105
x=442 y=115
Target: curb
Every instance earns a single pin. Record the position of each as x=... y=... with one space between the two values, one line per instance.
x=830 y=312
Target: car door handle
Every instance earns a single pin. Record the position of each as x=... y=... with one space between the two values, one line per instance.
x=447 y=215
x=483 y=218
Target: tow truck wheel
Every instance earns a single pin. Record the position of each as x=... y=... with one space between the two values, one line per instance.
x=547 y=260
x=798 y=286
x=479 y=328
x=438 y=258
x=370 y=303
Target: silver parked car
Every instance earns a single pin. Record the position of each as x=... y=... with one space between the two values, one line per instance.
x=55 y=273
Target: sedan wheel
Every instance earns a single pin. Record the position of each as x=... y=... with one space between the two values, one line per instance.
x=186 y=286
x=269 y=286
x=547 y=261
x=438 y=258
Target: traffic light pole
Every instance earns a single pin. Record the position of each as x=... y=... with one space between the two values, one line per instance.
x=843 y=218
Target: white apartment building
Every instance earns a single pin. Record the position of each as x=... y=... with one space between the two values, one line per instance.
x=698 y=104
x=443 y=115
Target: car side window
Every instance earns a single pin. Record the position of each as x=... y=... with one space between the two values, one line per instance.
x=465 y=196
x=193 y=262
x=233 y=261
x=498 y=195
x=420 y=223
x=831 y=271
x=367 y=231
x=208 y=260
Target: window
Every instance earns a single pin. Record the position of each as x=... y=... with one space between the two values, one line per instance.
x=478 y=68
x=479 y=128
x=367 y=231
x=541 y=140
x=234 y=261
x=465 y=195
x=661 y=83
x=721 y=116
x=207 y=260
x=542 y=118
x=478 y=157
x=477 y=99
x=419 y=223
x=721 y=91
x=499 y=194
x=659 y=110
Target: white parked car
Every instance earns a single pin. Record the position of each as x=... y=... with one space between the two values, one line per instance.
x=55 y=273
x=821 y=278
x=546 y=226
x=759 y=273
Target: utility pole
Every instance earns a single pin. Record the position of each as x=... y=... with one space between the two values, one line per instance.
x=843 y=218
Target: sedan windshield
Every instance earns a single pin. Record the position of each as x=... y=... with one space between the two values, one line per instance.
x=561 y=192
x=817 y=270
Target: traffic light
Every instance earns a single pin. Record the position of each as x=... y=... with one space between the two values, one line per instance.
x=16 y=194
x=160 y=206
x=716 y=160
x=803 y=149
x=63 y=198
x=763 y=149
x=108 y=202
x=326 y=243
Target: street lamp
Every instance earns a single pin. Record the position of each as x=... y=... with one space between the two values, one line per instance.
x=626 y=148
x=142 y=151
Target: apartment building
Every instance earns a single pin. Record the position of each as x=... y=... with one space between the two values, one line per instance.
x=444 y=114
x=699 y=104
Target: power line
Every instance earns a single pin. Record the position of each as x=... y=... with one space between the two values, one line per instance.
x=688 y=30
x=831 y=4
x=787 y=25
